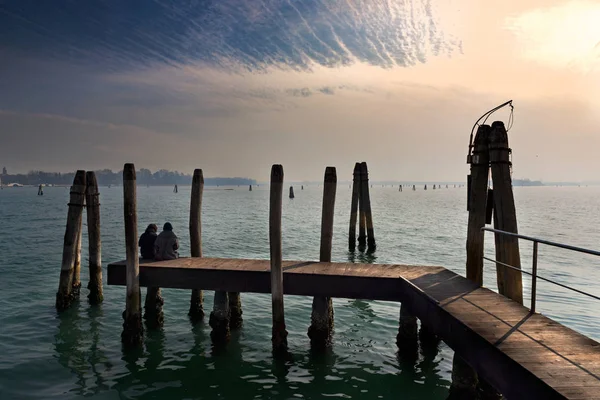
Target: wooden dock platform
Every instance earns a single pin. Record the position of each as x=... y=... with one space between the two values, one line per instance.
x=523 y=355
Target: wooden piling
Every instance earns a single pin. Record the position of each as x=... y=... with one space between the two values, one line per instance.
x=510 y=282
x=196 y=312
x=64 y=296
x=95 y=244
x=291 y=192
x=235 y=310
x=399 y=188
x=464 y=380
x=249 y=188
x=76 y=280
x=366 y=200
x=153 y=308
x=133 y=331
x=414 y=187
x=279 y=332
x=219 y=318
x=477 y=204
x=354 y=207
x=407 y=338
x=425 y=188
x=322 y=308
x=40 y=190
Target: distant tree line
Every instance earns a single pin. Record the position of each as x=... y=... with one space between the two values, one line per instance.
x=107 y=177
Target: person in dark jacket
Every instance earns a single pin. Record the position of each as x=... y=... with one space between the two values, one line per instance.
x=166 y=245
x=146 y=242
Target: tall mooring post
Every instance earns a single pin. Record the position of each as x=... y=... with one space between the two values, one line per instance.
x=366 y=200
x=291 y=192
x=505 y=218
x=64 y=296
x=322 y=308
x=354 y=207
x=92 y=201
x=133 y=331
x=476 y=204
x=196 y=312
x=279 y=332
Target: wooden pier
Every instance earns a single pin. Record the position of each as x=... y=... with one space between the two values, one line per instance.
x=523 y=355
x=501 y=347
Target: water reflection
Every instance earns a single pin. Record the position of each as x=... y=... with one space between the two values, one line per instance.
x=80 y=351
x=361 y=257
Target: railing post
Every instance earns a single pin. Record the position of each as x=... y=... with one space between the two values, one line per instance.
x=534 y=275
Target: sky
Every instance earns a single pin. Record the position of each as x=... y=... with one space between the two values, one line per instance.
x=234 y=86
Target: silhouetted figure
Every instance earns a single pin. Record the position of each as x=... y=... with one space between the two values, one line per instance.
x=147 y=240
x=167 y=244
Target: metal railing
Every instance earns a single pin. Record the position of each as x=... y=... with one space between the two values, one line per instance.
x=534 y=266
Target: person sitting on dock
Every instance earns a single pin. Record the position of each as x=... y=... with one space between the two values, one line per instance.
x=167 y=244
x=147 y=240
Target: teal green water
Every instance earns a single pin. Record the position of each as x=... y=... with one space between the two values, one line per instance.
x=78 y=353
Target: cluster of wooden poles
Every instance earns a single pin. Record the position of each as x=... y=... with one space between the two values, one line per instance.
x=490 y=154
x=227 y=309
x=84 y=194
x=361 y=202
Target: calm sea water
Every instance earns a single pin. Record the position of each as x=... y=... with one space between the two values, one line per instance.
x=78 y=353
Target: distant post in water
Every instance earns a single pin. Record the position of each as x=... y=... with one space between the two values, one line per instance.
x=196 y=311
x=354 y=207
x=64 y=295
x=279 y=332
x=95 y=245
x=510 y=282
x=249 y=188
x=175 y=190
x=366 y=200
x=477 y=204
x=291 y=192
x=40 y=190
x=399 y=188
x=425 y=188
x=414 y=188
x=322 y=307
x=133 y=331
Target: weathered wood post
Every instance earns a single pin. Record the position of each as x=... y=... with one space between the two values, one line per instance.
x=354 y=207
x=196 y=312
x=407 y=338
x=76 y=281
x=64 y=295
x=366 y=200
x=279 y=332
x=249 y=188
x=322 y=308
x=414 y=188
x=477 y=204
x=399 y=188
x=133 y=331
x=291 y=192
x=235 y=310
x=219 y=318
x=40 y=190
x=465 y=383
x=425 y=188
x=95 y=245
x=510 y=282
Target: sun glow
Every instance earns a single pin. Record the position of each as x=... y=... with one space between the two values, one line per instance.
x=567 y=35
